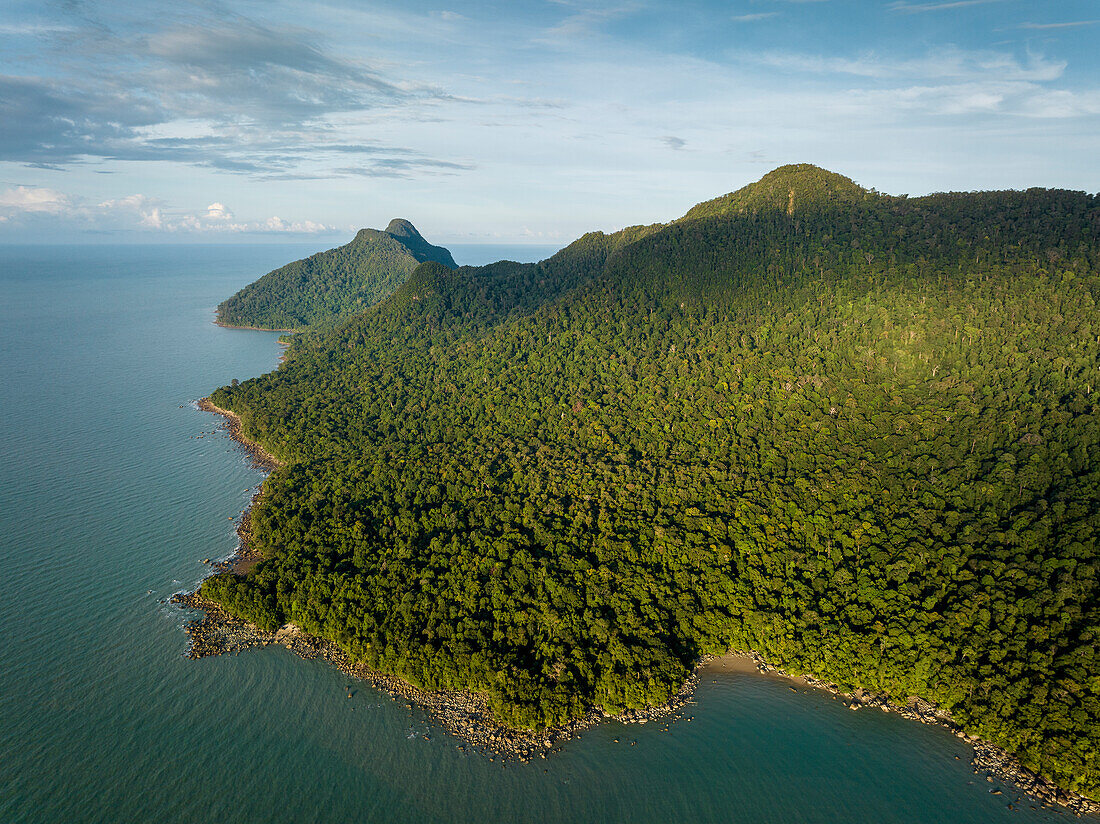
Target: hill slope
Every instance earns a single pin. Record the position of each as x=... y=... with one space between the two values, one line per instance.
x=331 y=286
x=860 y=436
x=798 y=187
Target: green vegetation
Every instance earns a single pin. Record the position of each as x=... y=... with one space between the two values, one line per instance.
x=332 y=286
x=799 y=187
x=857 y=433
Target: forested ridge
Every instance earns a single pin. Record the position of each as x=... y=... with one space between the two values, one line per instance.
x=857 y=433
x=329 y=287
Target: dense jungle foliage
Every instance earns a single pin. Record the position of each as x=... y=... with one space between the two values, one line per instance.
x=857 y=433
x=329 y=287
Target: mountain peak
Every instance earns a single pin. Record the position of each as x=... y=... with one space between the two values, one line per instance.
x=350 y=278
x=405 y=233
x=789 y=189
x=807 y=178
x=401 y=228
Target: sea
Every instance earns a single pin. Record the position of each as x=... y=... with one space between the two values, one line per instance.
x=115 y=490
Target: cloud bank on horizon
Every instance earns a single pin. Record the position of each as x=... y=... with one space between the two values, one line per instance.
x=517 y=121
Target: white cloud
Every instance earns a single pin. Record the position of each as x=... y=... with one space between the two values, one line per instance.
x=939 y=63
x=31 y=29
x=33 y=199
x=916 y=8
x=145 y=211
x=152 y=219
x=218 y=211
x=1019 y=99
x=586 y=22
x=1059 y=103
x=277 y=224
x=135 y=212
x=1071 y=25
x=130 y=202
x=752 y=18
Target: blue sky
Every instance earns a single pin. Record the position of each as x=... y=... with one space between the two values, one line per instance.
x=517 y=121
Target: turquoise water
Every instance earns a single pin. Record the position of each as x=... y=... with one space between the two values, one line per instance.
x=112 y=495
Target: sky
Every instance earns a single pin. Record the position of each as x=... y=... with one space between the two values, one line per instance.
x=513 y=122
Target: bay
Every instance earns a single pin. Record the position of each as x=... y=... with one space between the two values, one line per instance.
x=116 y=488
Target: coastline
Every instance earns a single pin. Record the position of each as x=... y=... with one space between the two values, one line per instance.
x=261 y=458
x=254 y=328
x=990 y=761
x=284 y=344
x=467 y=716
x=245 y=557
x=464 y=714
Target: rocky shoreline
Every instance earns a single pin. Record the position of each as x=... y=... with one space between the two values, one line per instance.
x=253 y=328
x=468 y=716
x=996 y=764
x=246 y=556
x=261 y=458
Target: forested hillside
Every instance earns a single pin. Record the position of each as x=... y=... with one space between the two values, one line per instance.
x=855 y=432
x=328 y=287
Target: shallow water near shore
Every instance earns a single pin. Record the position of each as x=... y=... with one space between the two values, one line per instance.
x=117 y=488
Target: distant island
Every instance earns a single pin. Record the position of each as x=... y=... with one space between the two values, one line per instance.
x=855 y=433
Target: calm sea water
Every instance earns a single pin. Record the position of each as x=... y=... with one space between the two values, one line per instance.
x=113 y=492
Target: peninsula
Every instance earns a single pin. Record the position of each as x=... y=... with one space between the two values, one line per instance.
x=331 y=286
x=856 y=433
